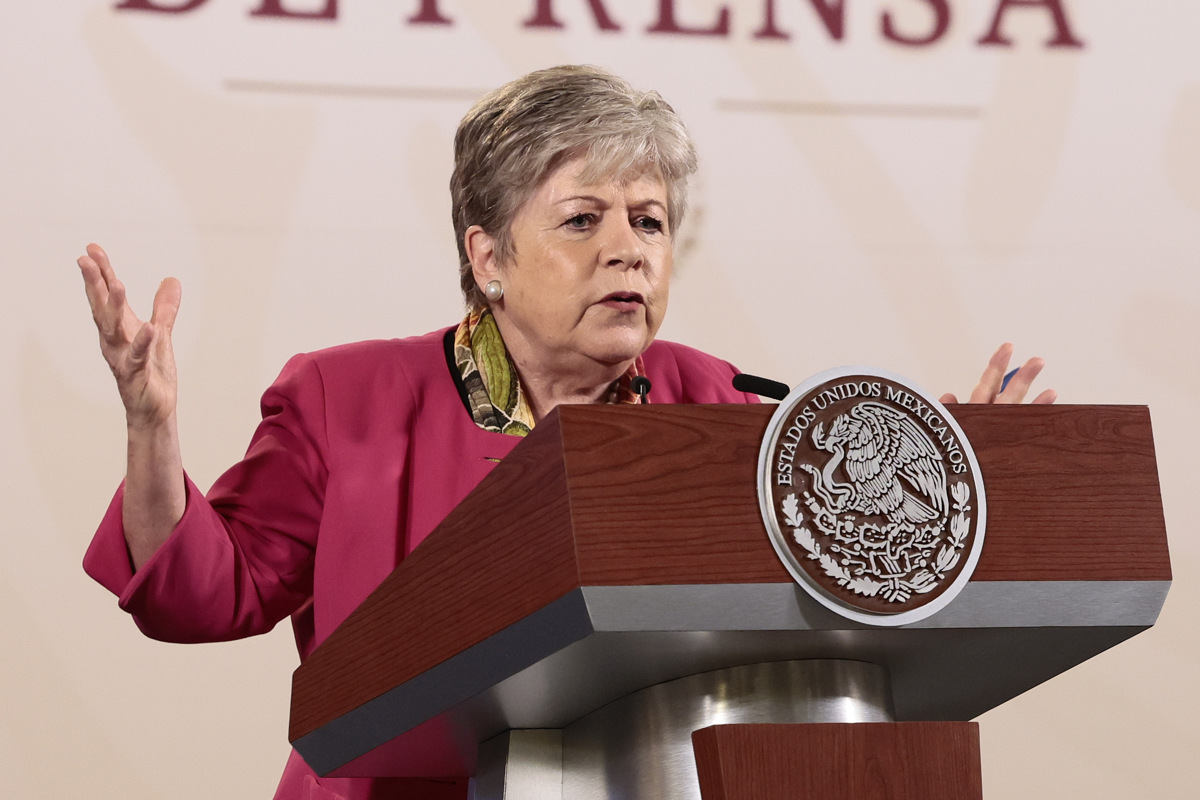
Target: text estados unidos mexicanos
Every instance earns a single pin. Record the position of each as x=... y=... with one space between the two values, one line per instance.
x=791 y=438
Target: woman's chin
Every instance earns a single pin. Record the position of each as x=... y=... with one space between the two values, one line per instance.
x=619 y=346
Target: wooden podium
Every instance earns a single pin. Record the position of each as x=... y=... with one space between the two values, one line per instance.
x=607 y=599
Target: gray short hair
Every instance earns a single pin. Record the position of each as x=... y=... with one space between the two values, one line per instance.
x=513 y=138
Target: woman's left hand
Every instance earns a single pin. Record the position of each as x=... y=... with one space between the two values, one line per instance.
x=989 y=388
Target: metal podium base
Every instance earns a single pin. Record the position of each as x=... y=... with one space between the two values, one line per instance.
x=640 y=747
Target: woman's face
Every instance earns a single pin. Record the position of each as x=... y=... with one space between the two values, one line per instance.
x=589 y=279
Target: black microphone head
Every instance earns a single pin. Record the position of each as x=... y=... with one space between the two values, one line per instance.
x=640 y=386
x=761 y=386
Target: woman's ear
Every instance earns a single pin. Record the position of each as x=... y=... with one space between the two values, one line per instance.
x=481 y=252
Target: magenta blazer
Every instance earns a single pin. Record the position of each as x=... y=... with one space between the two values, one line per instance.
x=363 y=449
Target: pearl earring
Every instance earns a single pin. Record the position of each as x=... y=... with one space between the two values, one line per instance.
x=493 y=291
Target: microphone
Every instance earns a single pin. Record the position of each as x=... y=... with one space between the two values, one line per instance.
x=641 y=387
x=761 y=386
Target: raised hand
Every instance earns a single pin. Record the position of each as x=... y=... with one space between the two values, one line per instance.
x=138 y=353
x=143 y=362
x=989 y=390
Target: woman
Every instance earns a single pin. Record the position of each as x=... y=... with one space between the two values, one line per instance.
x=568 y=190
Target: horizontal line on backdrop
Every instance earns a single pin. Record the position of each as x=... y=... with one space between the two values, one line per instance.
x=849 y=109
x=345 y=90
x=746 y=106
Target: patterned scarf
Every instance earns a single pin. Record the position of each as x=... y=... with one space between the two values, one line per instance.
x=494 y=390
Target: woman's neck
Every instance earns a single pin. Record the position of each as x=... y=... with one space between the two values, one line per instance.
x=545 y=393
x=551 y=377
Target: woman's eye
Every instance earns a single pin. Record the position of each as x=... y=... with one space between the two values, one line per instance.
x=579 y=221
x=648 y=224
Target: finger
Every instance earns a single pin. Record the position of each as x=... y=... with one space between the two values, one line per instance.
x=102 y=263
x=1045 y=398
x=1020 y=383
x=947 y=398
x=93 y=284
x=166 y=304
x=112 y=313
x=106 y=294
x=139 y=348
x=993 y=375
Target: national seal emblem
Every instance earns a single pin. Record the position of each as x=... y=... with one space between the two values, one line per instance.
x=872 y=496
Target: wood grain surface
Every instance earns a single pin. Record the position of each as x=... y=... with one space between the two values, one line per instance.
x=1072 y=494
x=826 y=761
x=644 y=495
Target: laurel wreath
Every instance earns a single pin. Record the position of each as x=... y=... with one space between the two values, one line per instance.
x=897 y=590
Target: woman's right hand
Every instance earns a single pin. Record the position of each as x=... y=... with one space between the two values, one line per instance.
x=143 y=362
x=138 y=353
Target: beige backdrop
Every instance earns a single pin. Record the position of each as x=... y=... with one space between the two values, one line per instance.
x=859 y=202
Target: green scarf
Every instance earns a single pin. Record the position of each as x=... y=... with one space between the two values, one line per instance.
x=493 y=387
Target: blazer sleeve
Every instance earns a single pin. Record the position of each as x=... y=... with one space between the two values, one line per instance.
x=240 y=559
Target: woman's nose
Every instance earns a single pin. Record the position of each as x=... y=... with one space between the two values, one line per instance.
x=623 y=247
